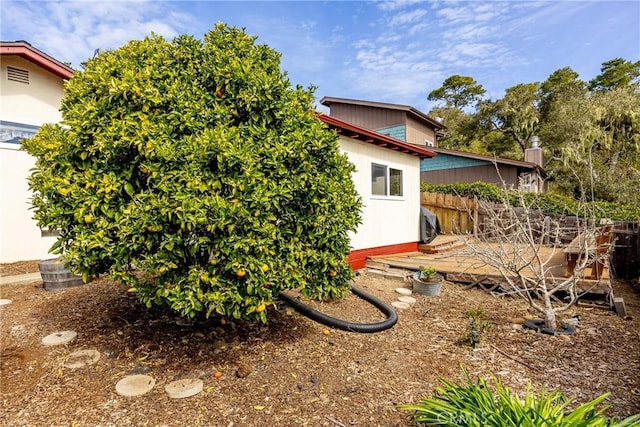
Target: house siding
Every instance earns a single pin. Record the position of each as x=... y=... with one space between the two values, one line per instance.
x=418 y=133
x=34 y=103
x=447 y=161
x=482 y=173
x=23 y=109
x=368 y=117
x=397 y=132
x=385 y=221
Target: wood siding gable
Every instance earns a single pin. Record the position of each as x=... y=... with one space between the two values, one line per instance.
x=368 y=117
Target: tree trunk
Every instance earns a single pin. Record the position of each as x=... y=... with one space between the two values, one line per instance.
x=549 y=313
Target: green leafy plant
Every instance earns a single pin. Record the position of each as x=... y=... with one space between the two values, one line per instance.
x=477 y=404
x=550 y=203
x=194 y=173
x=428 y=273
x=477 y=326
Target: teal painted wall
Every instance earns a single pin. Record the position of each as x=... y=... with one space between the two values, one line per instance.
x=397 y=132
x=447 y=161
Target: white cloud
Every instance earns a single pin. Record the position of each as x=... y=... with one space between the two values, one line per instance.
x=71 y=31
x=308 y=24
x=454 y=15
x=397 y=73
x=469 y=32
x=408 y=17
x=397 y=4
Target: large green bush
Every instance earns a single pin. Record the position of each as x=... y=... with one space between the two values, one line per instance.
x=552 y=203
x=193 y=172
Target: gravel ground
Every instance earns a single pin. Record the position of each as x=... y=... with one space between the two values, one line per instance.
x=293 y=371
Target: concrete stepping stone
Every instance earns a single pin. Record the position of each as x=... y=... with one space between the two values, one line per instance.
x=401 y=305
x=81 y=358
x=59 y=338
x=408 y=300
x=184 y=388
x=5 y=302
x=403 y=291
x=135 y=385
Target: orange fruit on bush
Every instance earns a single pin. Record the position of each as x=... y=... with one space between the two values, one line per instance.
x=241 y=273
x=262 y=307
x=333 y=273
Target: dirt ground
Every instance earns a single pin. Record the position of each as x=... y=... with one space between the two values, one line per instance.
x=293 y=371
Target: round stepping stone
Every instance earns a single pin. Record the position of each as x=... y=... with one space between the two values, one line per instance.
x=184 y=388
x=135 y=385
x=400 y=305
x=408 y=300
x=403 y=291
x=81 y=358
x=59 y=338
x=5 y=301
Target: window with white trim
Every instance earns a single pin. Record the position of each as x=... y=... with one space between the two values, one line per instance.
x=525 y=183
x=386 y=181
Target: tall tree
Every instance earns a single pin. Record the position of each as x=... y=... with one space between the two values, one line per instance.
x=516 y=115
x=562 y=91
x=457 y=92
x=562 y=84
x=604 y=150
x=615 y=73
x=461 y=128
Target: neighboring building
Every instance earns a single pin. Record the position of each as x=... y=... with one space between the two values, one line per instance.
x=387 y=178
x=401 y=122
x=31 y=90
x=408 y=124
x=451 y=166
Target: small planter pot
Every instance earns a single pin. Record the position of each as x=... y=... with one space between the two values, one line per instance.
x=430 y=287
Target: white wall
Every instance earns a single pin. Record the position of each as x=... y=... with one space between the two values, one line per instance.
x=35 y=103
x=20 y=237
x=32 y=104
x=385 y=220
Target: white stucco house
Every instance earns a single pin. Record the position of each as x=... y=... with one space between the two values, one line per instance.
x=31 y=90
x=387 y=178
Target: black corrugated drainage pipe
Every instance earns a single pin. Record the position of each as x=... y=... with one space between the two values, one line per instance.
x=366 y=328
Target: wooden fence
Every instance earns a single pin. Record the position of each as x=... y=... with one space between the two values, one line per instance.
x=456 y=215
x=461 y=215
x=625 y=255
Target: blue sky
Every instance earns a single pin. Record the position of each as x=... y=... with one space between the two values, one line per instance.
x=389 y=51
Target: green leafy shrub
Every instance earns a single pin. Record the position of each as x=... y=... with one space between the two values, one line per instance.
x=477 y=326
x=194 y=173
x=548 y=202
x=477 y=404
x=428 y=273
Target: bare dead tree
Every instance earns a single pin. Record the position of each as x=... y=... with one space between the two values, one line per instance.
x=523 y=245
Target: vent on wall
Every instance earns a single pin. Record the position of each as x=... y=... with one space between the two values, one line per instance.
x=17 y=75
